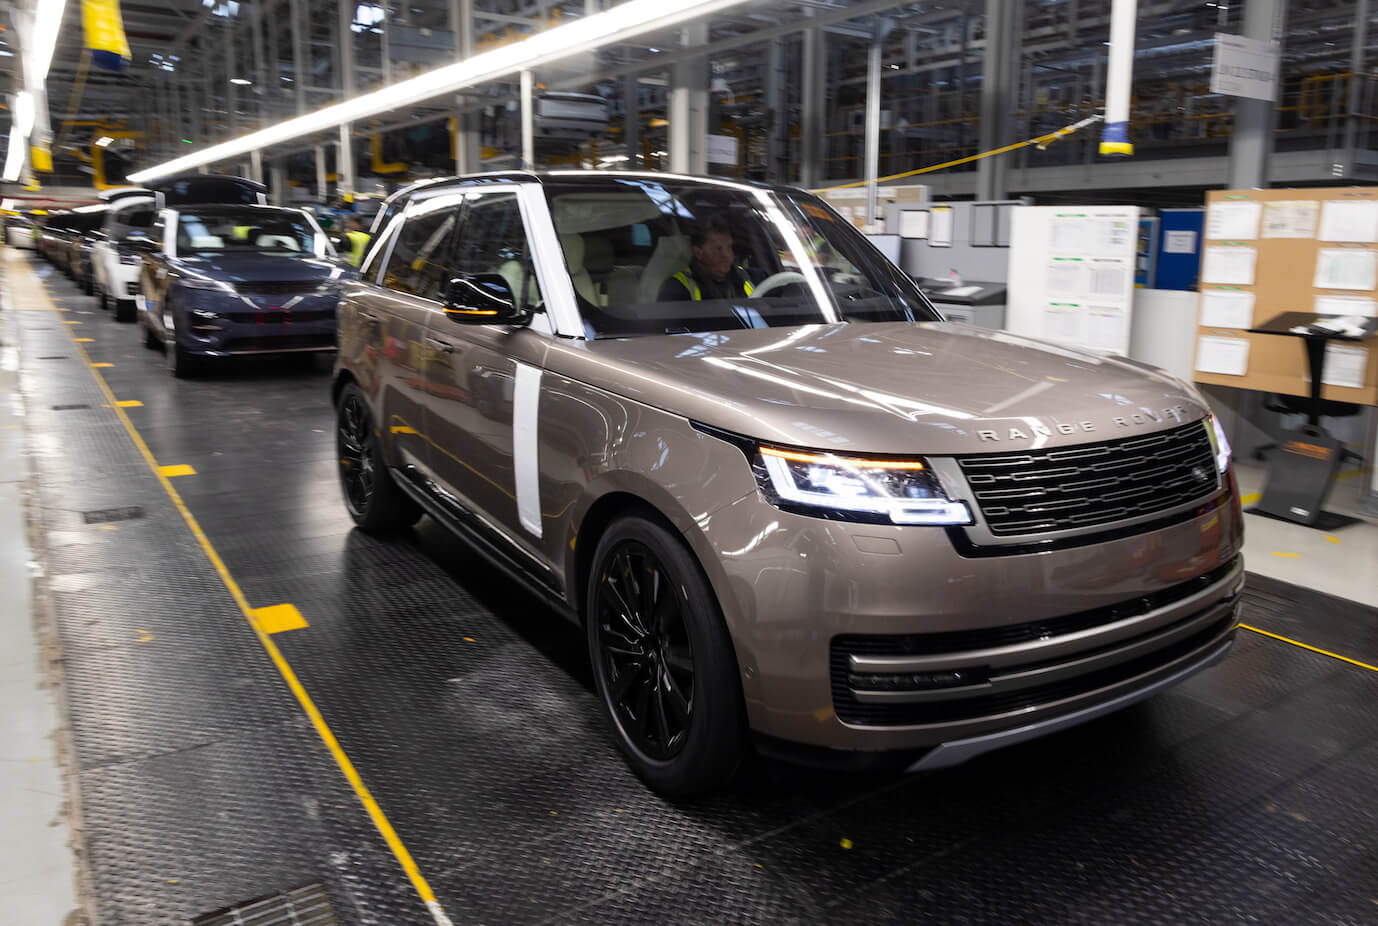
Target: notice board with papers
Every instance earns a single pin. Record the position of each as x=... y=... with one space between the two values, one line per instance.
x=1266 y=252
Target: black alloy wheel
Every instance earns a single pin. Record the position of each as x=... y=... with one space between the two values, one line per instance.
x=663 y=661
x=373 y=500
x=647 y=656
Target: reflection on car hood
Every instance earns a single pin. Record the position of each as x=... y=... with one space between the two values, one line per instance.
x=887 y=388
x=257 y=268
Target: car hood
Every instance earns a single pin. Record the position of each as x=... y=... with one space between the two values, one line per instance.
x=887 y=388
x=260 y=268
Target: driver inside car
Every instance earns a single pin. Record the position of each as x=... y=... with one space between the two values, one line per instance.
x=713 y=272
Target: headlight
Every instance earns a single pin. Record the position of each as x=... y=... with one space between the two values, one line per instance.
x=204 y=283
x=855 y=488
x=1220 y=446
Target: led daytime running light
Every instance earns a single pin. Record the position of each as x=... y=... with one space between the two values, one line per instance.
x=827 y=460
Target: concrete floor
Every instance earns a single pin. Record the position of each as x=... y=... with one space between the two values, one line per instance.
x=1343 y=563
x=37 y=870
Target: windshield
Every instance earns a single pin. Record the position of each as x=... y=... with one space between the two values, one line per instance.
x=650 y=256
x=246 y=231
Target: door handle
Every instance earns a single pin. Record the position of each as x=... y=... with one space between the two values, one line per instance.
x=439 y=346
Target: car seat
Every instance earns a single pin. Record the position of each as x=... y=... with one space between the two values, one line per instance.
x=574 y=247
x=285 y=242
x=671 y=255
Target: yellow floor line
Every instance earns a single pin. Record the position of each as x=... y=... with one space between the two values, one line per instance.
x=173 y=469
x=323 y=730
x=129 y=403
x=1250 y=498
x=1314 y=649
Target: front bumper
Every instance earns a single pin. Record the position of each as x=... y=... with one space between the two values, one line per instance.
x=224 y=325
x=878 y=637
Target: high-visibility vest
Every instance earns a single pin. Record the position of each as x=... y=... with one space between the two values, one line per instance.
x=692 y=285
x=358 y=243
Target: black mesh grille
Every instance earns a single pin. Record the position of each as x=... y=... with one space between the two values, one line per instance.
x=276 y=316
x=278 y=288
x=850 y=710
x=957 y=641
x=283 y=342
x=1072 y=487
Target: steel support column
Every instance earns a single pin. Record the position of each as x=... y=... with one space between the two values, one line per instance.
x=1251 y=143
x=775 y=112
x=231 y=89
x=528 y=105
x=321 y=182
x=256 y=166
x=872 y=166
x=689 y=105
x=812 y=92
x=299 y=68
x=631 y=121
x=1356 y=84
x=344 y=163
x=997 y=73
x=278 y=176
x=466 y=135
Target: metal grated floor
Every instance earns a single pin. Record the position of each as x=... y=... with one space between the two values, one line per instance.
x=1242 y=796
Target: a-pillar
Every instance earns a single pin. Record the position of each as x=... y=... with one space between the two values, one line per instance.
x=1251 y=143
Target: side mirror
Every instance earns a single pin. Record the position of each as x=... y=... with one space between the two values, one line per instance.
x=138 y=241
x=483 y=299
x=340 y=243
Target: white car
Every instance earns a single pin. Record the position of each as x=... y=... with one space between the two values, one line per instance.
x=115 y=269
x=19 y=232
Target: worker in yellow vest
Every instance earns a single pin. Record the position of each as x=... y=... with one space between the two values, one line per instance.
x=713 y=273
x=358 y=241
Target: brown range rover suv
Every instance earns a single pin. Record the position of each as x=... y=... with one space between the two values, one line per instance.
x=794 y=509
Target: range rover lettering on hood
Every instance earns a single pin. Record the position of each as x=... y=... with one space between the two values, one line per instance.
x=1177 y=413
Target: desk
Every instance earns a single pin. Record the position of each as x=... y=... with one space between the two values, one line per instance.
x=1303 y=469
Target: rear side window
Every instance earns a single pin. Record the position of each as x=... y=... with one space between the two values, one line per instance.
x=421 y=258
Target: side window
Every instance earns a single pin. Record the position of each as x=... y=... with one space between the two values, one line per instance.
x=420 y=258
x=493 y=240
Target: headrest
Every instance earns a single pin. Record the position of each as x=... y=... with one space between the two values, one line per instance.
x=574 y=251
x=598 y=254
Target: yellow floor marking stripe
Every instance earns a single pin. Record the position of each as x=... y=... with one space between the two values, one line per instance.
x=279 y=617
x=1314 y=649
x=86 y=340
x=1332 y=539
x=98 y=365
x=1250 y=498
x=1287 y=555
x=71 y=323
x=323 y=730
x=174 y=469
x=129 y=403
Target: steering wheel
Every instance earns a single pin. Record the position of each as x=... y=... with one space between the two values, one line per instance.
x=775 y=281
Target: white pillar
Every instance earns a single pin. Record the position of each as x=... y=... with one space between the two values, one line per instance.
x=1119 y=76
x=344 y=163
x=528 y=121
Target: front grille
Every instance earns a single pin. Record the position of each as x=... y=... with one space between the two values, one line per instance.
x=280 y=288
x=849 y=710
x=277 y=316
x=959 y=641
x=283 y=342
x=1092 y=484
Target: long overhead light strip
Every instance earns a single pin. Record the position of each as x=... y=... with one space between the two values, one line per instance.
x=623 y=22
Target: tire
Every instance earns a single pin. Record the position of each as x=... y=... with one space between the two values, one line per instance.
x=124 y=310
x=663 y=662
x=104 y=298
x=151 y=340
x=375 y=502
x=180 y=363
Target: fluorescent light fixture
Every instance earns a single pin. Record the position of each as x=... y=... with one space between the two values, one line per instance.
x=103 y=141
x=240 y=81
x=619 y=24
x=19 y=135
